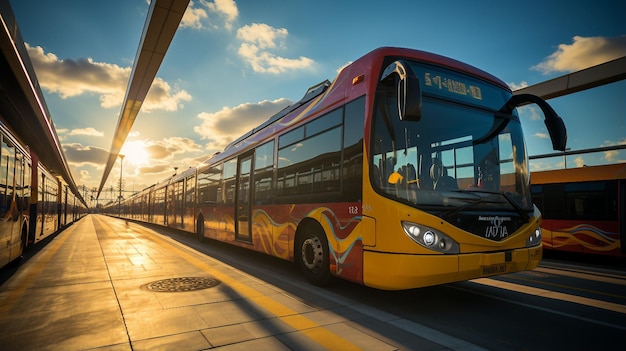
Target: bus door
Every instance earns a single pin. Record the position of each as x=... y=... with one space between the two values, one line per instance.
x=10 y=244
x=242 y=208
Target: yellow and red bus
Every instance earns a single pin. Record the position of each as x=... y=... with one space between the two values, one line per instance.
x=583 y=209
x=409 y=170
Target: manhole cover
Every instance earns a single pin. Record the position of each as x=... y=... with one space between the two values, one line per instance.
x=181 y=284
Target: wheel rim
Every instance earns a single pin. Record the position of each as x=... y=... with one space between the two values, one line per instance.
x=312 y=254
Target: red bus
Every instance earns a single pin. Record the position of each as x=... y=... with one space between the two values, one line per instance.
x=409 y=170
x=583 y=209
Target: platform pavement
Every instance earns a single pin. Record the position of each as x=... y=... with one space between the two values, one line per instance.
x=89 y=289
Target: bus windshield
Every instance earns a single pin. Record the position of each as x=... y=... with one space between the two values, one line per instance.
x=462 y=154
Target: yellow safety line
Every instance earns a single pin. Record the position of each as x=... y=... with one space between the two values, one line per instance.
x=551 y=294
x=563 y=286
x=599 y=278
x=314 y=331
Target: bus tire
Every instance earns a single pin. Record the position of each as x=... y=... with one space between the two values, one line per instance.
x=312 y=254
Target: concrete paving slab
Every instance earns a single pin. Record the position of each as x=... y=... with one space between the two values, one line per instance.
x=151 y=324
x=231 y=334
x=184 y=341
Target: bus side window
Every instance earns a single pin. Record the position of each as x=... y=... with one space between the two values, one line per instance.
x=264 y=173
x=228 y=182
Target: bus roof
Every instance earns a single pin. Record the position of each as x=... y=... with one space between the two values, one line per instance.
x=581 y=174
x=439 y=60
x=325 y=95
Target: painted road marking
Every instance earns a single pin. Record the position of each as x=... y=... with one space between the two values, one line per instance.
x=595 y=277
x=609 y=306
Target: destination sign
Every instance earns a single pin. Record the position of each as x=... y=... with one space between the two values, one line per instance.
x=458 y=86
x=451 y=85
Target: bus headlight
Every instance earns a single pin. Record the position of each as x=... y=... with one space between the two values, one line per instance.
x=535 y=238
x=430 y=238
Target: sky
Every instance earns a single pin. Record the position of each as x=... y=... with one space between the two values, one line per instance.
x=232 y=64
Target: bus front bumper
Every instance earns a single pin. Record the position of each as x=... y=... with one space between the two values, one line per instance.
x=390 y=271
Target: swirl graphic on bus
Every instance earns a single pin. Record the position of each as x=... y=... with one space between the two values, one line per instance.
x=584 y=236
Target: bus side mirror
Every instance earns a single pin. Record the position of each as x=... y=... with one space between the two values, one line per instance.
x=557 y=131
x=554 y=123
x=408 y=90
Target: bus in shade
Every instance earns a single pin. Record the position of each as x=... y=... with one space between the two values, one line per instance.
x=583 y=209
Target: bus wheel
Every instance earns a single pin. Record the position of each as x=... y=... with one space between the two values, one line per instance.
x=313 y=256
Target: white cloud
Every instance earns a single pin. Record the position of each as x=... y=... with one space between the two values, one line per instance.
x=343 y=66
x=515 y=86
x=193 y=17
x=579 y=161
x=80 y=155
x=197 y=17
x=168 y=147
x=584 y=52
x=162 y=97
x=84 y=175
x=259 y=40
x=86 y=131
x=71 y=78
x=156 y=169
x=542 y=135
x=165 y=155
x=613 y=155
x=225 y=125
x=530 y=112
x=227 y=9
x=262 y=35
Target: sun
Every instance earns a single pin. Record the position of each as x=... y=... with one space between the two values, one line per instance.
x=135 y=153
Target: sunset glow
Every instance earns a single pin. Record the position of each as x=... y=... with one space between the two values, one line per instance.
x=135 y=153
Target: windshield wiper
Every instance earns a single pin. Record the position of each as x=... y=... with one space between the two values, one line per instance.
x=478 y=200
x=512 y=202
x=517 y=207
